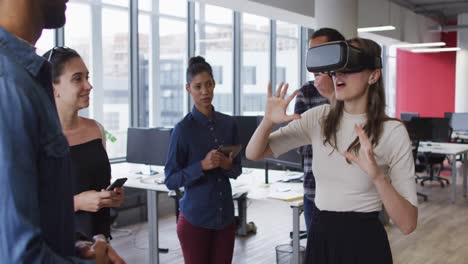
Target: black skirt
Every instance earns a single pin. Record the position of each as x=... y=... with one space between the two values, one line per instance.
x=347 y=238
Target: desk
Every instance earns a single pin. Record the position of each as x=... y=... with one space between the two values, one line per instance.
x=452 y=150
x=251 y=181
x=461 y=135
x=278 y=162
x=121 y=170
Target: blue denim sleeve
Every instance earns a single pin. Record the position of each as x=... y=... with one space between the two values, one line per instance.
x=178 y=172
x=20 y=232
x=236 y=169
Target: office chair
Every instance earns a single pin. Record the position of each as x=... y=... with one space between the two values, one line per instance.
x=441 y=132
x=448 y=115
x=417 y=167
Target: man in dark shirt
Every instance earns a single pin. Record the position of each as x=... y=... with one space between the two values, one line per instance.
x=312 y=94
x=36 y=199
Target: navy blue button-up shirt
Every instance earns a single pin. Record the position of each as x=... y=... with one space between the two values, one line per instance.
x=207 y=200
x=36 y=199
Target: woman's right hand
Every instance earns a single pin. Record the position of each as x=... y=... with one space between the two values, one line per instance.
x=92 y=201
x=277 y=104
x=212 y=160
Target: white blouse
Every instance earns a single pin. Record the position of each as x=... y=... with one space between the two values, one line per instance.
x=341 y=186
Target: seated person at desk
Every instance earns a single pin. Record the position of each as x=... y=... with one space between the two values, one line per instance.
x=362 y=159
x=206 y=225
x=90 y=167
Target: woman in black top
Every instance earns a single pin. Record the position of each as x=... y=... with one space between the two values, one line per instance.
x=89 y=162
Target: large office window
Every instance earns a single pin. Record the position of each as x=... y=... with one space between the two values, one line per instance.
x=123 y=3
x=214 y=41
x=78 y=37
x=287 y=57
x=146 y=65
x=172 y=62
x=115 y=61
x=99 y=31
x=255 y=72
x=162 y=60
x=77 y=32
x=45 y=42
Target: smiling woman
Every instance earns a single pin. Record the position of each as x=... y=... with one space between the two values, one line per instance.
x=89 y=161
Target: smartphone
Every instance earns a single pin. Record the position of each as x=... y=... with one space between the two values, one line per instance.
x=234 y=149
x=116 y=184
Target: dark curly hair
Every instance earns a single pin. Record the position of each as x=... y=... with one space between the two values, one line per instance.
x=198 y=65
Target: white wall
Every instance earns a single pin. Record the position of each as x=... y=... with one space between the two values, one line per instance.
x=337 y=14
x=461 y=81
x=303 y=7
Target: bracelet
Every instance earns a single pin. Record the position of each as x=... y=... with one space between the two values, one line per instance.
x=100 y=237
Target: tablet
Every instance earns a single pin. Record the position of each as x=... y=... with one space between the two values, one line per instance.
x=226 y=150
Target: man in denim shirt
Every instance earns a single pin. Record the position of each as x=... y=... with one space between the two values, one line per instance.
x=36 y=199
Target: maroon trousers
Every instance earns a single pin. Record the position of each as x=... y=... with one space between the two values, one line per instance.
x=205 y=246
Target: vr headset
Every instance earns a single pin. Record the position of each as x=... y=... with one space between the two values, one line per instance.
x=340 y=56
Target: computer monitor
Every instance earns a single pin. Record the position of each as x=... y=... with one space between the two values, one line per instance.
x=148 y=145
x=459 y=122
x=448 y=115
x=246 y=126
x=429 y=129
x=407 y=116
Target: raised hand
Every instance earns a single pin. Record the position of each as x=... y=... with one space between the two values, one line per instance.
x=365 y=158
x=277 y=104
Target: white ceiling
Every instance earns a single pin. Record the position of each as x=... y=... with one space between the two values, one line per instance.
x=444 y=11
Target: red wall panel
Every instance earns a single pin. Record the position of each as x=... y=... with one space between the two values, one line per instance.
x=426 y=81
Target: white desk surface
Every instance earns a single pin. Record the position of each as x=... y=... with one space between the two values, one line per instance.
x=462 y=135
x=251 y=180
x=140 y=181
x=442 y=148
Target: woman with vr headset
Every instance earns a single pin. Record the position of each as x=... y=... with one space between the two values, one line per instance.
x=362 y=159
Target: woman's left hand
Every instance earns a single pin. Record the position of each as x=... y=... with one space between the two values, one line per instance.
x=117 y=196
x=365 y=159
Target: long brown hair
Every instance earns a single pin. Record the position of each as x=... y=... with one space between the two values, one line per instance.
x=375 y=109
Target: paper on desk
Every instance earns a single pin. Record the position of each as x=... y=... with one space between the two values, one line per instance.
x=152 y=180
x=286 y=196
